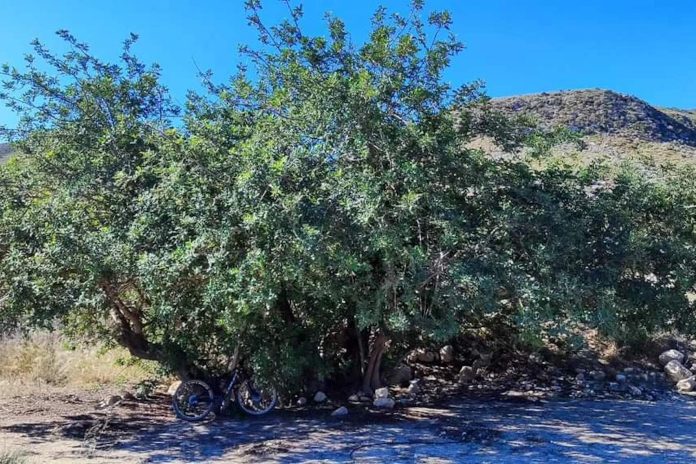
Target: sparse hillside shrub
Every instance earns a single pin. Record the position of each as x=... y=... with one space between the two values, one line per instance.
x=316 y=213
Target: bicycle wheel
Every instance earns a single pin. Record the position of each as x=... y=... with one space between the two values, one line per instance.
x=193 y=400
x=255 y=401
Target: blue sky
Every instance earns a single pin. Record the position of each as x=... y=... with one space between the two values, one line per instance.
x=641 y=47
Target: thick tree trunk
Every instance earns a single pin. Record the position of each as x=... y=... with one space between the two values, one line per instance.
x=371 y=378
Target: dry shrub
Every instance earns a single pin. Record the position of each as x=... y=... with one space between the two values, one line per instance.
x=46 y=358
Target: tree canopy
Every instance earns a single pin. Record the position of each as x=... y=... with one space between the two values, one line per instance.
x=317 y=209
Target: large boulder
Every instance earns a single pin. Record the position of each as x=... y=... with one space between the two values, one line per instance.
x=676 y=371
x=400 y=375
x=447 y=354
x=671 y=355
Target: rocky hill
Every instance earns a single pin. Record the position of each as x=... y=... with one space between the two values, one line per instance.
x=614 y=125
x=593 y=112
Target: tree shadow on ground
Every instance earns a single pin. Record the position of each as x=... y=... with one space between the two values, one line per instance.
x=462 y=431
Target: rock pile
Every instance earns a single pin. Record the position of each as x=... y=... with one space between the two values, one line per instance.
x=683 y=378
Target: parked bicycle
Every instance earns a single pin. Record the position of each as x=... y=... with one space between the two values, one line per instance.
x=194 y=400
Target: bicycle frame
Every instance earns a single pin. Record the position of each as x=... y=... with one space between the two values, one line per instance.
x=229 y=391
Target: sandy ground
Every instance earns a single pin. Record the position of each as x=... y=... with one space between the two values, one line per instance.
x=68 y=428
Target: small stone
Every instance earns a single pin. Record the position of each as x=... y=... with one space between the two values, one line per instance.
x=580 y=378
x=385 y=403
x=173 y=387
x=342 y=411
x=126 y=395
x=466 y=374
x=598 y=375
x=354 y=398
x=671 y=355
x=382 y=393
x=414 y=387
x=301 y=401
x=365 y=399
x=676 y=371
x=635 y=391
x=621 y=378
x=614 y=386
x=447 y=354
x=110 y=401
x=686 y=385
x=319 y=397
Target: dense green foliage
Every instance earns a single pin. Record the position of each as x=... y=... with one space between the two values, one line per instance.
x=317 y=210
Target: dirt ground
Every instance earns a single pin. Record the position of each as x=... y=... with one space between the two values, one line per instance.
x=65 y=427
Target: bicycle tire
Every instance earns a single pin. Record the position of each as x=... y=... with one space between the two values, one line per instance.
x=193 y=401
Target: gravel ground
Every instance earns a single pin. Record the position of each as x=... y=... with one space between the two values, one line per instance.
x=68 y=428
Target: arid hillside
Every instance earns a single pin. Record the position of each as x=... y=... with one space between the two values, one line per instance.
x=614 y=125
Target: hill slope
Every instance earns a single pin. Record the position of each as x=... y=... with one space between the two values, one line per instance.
x=614 y=126
x=593 y=112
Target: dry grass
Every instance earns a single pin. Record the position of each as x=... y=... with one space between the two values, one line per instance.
x=11 y=457
x=45 y=359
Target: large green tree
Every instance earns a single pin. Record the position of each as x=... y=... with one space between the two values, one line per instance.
x=316 y=210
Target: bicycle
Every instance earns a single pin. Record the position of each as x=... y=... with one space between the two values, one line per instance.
x=194 y=400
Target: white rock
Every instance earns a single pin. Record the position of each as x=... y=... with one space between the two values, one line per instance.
x=301 y=401
x=342 y=411
x=447 y=354
x=676 y=371
x=354 y=398
x=686 y=385
x=172 y=388
x=382 y=393
x=671 y=355
x=319 y=397
x=386 y=403
x=414 y=387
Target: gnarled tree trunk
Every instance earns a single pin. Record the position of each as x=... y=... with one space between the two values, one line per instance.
x=371 y=378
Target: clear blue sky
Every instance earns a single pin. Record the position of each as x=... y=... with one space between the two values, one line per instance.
x=641 y=47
